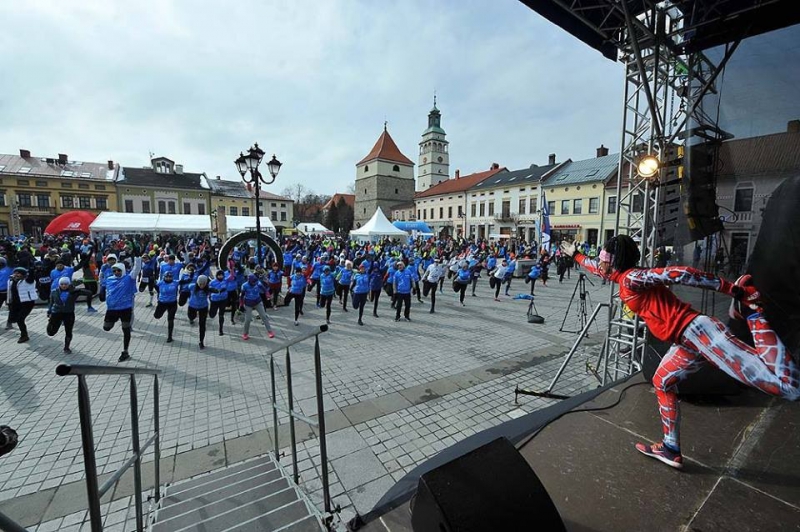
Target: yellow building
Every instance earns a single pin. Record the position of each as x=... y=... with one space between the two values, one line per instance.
x=576 y=196
x=34 y=190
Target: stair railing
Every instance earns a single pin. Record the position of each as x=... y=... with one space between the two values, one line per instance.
x=9 y=525
x=319 y=423
x=94 y=491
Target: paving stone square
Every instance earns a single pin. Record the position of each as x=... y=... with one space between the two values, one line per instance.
x=395 y=394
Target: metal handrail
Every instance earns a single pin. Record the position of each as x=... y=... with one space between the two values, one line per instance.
x=9 y=525
x=320 y=423
x=94 y=491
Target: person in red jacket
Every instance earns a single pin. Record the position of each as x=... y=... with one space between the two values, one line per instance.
x=697 y=339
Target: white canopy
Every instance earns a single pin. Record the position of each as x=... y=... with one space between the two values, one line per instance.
x=313 y=229
x=378 y=225
x=243 y=223
x=130 y=222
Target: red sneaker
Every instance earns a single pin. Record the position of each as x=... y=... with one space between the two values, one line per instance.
x=271 y=334
x=661 y=452
x=245 y=337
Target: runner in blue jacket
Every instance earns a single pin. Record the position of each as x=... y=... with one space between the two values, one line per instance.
x=120 y=290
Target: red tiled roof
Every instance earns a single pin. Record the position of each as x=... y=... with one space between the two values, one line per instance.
x=387 y=150
x=459 y=185
x=349 y=199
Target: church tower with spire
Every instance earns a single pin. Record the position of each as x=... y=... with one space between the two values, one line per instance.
x=434 y=156
x=384 y=178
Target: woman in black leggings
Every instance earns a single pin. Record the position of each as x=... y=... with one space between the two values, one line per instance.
x=375 y=285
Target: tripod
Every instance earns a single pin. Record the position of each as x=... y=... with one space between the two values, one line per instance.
x=583 y=314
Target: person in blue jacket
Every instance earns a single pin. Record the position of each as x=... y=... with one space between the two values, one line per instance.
x=534 y=274
x=345 y=279
x=402 y=282
x=5 y=275
x=316 y=271
x=61 y=270
x=200 y=291
x=219 y=299
x=250 y=300
x=233 y=284
x=297 y=292
x=327 y=289
x=171 y=265
x=148 y=278
x=462 y=279
x=360 y=287
x=413 y=265
x=274 y=277
x=375 y=286
x=61 y=309
x=167 y=289
x=119 y=290
x=185 y=280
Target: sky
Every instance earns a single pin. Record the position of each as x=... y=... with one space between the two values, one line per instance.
x=312 y=81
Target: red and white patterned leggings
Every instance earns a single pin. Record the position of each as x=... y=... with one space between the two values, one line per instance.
x=768 y=366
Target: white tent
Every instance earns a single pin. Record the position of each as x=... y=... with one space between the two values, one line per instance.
x=130 y=222
x=313 y=229
x=377 y=226
x=243 y=223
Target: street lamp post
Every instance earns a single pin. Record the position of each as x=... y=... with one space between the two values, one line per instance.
x=249 y=163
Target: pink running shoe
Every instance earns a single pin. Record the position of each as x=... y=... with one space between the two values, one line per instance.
x=271 y=334
x=662 y=453
x=245 y=337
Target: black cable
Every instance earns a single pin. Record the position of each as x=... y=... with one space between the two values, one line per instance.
x=598 y=409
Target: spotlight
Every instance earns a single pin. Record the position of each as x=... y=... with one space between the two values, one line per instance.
x=648 y=166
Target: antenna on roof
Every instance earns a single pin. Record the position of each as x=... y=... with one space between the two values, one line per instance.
x=151 y=154
x=385 y=123
x=434 y=97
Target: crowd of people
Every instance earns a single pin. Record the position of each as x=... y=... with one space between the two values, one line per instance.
x=174 y=272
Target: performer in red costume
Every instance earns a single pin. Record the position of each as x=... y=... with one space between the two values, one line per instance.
x=697 y=339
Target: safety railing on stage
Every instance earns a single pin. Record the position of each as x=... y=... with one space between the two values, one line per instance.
x=9 y=525
x=94 y=491
x=293 y=415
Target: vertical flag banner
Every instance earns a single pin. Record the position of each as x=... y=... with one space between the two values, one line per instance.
x=545 y=224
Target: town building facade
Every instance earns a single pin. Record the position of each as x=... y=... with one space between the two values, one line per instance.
x=162 y=188
x=34 y=190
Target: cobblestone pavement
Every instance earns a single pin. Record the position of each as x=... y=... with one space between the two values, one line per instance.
x=396 y=393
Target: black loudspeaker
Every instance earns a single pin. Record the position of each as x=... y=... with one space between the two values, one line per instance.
x=700 y=205
x=490 y=489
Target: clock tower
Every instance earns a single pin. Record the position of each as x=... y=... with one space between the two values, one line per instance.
x=434 y=156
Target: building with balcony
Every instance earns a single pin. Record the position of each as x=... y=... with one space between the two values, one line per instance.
x=162 y=188
x=507 y=204
x=575 y=192
x=443 y=207
x=34 y=190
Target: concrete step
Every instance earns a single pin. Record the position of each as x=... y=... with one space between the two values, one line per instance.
x=252 y=496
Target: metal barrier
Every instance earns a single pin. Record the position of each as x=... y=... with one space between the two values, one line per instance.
x=320 y=423
x=9 y=525
x=90 y=465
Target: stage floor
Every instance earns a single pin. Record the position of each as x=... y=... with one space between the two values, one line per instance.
x=741 y=472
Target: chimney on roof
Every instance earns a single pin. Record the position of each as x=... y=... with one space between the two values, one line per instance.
x=494 y=166
x=458 y=174
x=110 y=164
x=218 y=178
x=602 y=151
x=62 y=158
x=551 y=159
x=25 y=154
x=178 y=168
x=793 y=126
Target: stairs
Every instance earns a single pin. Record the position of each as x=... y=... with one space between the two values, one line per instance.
x=256 y=495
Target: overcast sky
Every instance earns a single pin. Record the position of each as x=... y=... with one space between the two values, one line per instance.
x=311 y=81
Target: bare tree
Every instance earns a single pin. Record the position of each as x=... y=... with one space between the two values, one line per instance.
x=351 y=188
x=295 y=192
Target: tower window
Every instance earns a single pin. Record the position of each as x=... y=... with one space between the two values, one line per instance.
x=366 y=168
x=396 y=168
x=395 y=191
x=365 y=191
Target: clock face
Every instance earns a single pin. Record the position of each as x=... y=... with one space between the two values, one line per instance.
x=440 y=159
x=424 y=160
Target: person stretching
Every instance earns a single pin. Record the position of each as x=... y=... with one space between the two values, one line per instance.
x=345 y=279
x=462 y=280
x=22 y=296
x=219 y=298
x=297 y=292
x=360 y=291
x=327 y=289
x=119 y=290
x=430 y=279
x=496 y=278
x=198 y=303
x=402 y=290
x=250 y=300
x=167 y=289
x=62 y=309
x=697 y=339
x=375 y=286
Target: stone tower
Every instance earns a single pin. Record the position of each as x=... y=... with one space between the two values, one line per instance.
x=384 y=178
x=434 y=156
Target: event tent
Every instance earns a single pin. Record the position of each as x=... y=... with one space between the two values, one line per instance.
x=130 y=222
x=313 y=229
x=236 y=224
x=414 y=227
x=71 y=222
x=377 y=226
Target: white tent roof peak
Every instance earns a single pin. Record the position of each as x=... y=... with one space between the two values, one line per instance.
x=378 y=225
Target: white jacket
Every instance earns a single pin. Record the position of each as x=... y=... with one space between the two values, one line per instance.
x=27 y=291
